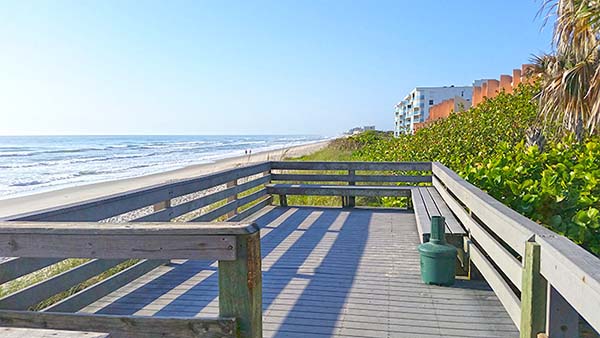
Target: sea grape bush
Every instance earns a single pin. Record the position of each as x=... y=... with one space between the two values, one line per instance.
x=557 y=187
x=460 y=138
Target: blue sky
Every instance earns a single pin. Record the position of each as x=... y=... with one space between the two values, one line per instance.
x=244 y=67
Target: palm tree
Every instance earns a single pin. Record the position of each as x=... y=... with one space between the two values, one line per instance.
x=570 y=78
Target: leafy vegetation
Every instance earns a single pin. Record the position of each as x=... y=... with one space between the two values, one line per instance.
x=557 y=186
x=461 y=138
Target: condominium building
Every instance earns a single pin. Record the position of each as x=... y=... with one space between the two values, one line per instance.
x=415 y=106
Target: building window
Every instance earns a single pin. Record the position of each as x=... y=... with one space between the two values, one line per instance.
x=462 y=93
x=430 y=102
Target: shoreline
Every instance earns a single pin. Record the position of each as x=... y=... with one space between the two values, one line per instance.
x=49 y=199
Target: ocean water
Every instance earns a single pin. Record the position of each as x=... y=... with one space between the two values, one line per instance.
x=30 y=164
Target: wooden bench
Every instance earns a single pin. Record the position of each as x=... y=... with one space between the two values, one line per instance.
x=428 y=202
x=347 y=192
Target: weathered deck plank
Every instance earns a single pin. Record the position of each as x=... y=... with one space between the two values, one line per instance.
x=328 y=273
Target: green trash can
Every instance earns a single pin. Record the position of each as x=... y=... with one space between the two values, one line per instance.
x=438 y=259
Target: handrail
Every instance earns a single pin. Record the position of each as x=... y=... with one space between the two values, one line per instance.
x=41 y=238
x=235 y=245
x=119 y=203
x=396 y=180
x=196 y=197
x=351 y=165
x=571 y=272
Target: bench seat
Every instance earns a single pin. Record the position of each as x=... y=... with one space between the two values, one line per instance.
x=428 y=202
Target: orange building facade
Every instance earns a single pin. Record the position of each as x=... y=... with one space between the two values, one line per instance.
x=482 y=89
x=489 y=88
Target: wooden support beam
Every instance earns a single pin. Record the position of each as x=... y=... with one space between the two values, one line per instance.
x=240 y=287
x=351 y=199
x=33 y=294
x=150 y=246
x=129 y=240
x=338 y=190
x=562 y=320
x=357 y=178
x=533 y=293
x=16 y=267
x=283 y=200
x=87 y=296
x=161 y=205
x=232 y=198
x=372 y=166
x=122 y=326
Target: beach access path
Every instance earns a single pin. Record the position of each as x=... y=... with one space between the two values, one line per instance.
x=50 y=199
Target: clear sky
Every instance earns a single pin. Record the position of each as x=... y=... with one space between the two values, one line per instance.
x=245 y=67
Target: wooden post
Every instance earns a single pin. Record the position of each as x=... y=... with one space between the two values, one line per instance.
x=240 y=287
x=351 y=199
x=562 y=320
x=232 y=198
x=283 y=200
x=161 y=205
x=533 y=294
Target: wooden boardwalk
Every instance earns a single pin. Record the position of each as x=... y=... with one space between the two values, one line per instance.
x=328 y=273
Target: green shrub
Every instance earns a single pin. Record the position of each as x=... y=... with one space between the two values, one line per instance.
x=557 y=187
x=460 y=138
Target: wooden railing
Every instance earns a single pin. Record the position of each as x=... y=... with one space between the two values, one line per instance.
x=235 y=246
x=544 y=280
x=200 y=199
x=359 y=179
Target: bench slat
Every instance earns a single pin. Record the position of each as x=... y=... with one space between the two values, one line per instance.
x=427 y=202
x=452 y=223
x=337 y=190
x=423 y=223
x=430 y=206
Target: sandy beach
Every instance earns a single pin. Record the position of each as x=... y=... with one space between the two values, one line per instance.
x=50 y=199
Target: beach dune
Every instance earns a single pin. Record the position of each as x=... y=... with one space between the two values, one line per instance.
x=51 y=199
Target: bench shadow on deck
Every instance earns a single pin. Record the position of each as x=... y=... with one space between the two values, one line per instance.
x=328 y=272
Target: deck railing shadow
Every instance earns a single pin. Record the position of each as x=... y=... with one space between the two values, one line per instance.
x=199 y=296
x=341 y=259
